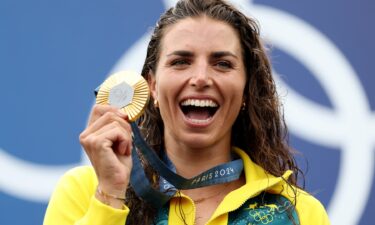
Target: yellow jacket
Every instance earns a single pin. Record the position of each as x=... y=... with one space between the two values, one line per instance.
x=264 y=199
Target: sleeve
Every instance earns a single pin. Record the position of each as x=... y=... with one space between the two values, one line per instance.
x=310 y=211
x=73 y=202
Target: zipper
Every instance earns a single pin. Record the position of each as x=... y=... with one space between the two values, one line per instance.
x=194 y=209
x=227 y=212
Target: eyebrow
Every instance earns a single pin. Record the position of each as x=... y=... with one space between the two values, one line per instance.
x=181 y=53
x=218 y=54
x=222 y=54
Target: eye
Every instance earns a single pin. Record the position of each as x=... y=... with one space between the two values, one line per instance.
x=223 y=64
x=180 y=63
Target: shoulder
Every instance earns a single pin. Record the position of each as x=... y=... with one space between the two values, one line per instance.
x=309 y=209
x=81 y=179
x=80 y=172
x=71 y=197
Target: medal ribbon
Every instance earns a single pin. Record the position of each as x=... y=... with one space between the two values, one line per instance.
x=170 y=181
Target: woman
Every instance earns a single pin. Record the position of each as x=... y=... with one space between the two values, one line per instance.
x=212 y=96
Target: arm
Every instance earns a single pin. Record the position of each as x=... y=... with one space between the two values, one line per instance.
x=108 y=144
x=310 y=210
x=74 y=202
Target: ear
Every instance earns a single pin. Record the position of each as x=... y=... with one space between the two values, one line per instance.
x=152 y=85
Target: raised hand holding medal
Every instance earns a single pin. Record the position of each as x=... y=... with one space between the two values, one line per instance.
x=107 y=139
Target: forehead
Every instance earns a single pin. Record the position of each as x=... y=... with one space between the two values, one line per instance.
x=201 y=33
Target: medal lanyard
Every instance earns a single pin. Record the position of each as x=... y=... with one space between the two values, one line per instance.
x=169 y=180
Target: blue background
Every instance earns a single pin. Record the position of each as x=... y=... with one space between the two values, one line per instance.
x=54 y=53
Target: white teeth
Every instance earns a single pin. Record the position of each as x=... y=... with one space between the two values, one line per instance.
x=196 y=121
x=199 y=103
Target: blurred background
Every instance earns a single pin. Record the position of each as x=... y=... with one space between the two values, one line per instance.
x=53 y=54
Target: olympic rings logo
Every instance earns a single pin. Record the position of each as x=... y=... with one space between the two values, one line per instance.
x=261 y=216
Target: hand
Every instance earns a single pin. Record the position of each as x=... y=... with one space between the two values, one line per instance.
x=107 y=141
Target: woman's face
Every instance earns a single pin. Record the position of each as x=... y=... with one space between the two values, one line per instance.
x=199 y=82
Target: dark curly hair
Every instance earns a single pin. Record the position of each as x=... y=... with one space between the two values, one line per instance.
x=259 y=129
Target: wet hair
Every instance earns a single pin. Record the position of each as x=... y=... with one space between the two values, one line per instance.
x=259 y=129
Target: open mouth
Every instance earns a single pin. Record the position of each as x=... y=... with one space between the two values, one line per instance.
x=199 y=110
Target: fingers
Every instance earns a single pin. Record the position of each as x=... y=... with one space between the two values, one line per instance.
x=104 y=120
x=107 y=141
x=102 y=115
x=111 y=137
x=107 y=130
x=99 y=110
x=121 y=138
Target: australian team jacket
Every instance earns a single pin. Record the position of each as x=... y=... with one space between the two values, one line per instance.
x=264 y=199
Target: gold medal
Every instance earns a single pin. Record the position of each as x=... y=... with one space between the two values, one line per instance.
x=127 y=91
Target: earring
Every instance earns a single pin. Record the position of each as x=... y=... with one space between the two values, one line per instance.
x=243 y=108
x=156 y=103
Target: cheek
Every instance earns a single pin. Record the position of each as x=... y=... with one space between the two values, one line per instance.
x=238 y=89
x=237 y=97
x=169 y=84
x=161 y=86
x=167 y=90
x=164 y=88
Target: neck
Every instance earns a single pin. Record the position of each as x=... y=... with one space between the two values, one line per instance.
x=190 y=162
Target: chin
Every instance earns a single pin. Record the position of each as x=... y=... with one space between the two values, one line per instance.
x=201 y=141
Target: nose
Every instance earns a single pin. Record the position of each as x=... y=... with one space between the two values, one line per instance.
x=201 y=77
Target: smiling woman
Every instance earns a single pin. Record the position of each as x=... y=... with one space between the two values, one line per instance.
x=192 y=71
x=213 y=101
